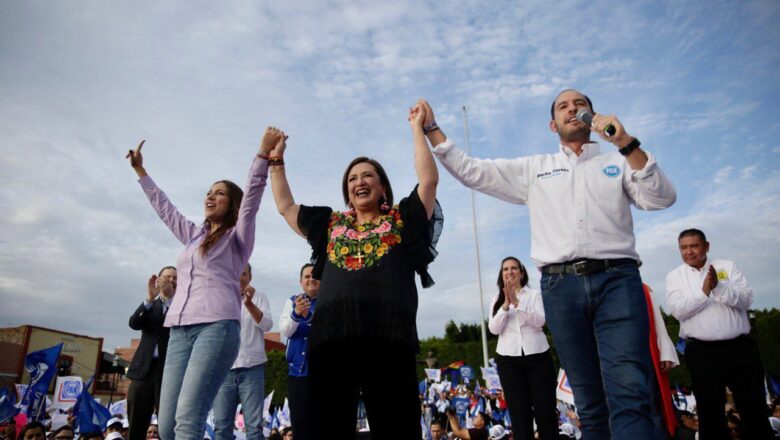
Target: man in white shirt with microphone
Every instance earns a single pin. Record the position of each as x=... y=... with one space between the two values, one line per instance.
x=579 y=200
x=711 y=298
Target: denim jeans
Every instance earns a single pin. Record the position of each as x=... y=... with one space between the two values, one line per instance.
x=246 y=385
x=198 y=359
x=601 y=330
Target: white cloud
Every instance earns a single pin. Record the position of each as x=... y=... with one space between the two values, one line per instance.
x=79 y=86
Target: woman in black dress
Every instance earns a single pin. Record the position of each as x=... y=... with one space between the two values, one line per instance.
x=363 y=338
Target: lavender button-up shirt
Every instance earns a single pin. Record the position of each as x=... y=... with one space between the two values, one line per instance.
x=208 y=288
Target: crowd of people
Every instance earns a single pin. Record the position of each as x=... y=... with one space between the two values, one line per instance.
x=202 y=322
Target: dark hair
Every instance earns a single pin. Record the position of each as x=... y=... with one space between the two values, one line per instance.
x=159 y=274
x=552 y=106
x=500 y=282
x=436 y=422
x=64 y=428
x=285 y=431
x=692 y=233
x=382 y=178
x=30 y=426
x=248 y=268
x=235 y=194
x=300 y=275
x=90 y=435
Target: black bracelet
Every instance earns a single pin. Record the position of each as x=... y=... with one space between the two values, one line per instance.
x=430 y=127
x=633 y=145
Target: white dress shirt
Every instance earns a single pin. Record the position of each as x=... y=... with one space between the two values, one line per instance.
x=720 y=316
x=251 y=352
x=519 y=329
x=579 y=205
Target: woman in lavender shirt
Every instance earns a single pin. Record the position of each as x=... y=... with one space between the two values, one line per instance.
x=204 y=316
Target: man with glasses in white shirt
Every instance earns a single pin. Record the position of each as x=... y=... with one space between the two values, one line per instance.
x=711 y=298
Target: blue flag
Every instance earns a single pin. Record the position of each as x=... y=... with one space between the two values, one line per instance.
x=42 y=366
x=7 y=407
x=91 y=416
x=774 y=387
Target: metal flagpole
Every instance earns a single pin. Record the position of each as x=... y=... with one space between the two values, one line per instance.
x=476 y=244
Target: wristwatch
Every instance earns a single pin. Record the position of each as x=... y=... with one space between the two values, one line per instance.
x=430 y=127
x=633 y=145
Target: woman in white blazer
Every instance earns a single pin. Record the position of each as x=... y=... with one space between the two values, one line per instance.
x=523 y=358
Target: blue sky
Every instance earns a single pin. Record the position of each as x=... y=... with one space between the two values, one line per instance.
x=81 y=82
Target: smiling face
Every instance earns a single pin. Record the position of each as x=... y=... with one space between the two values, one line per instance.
x=511 y=273
x=364 y=187
x=309 y=284
x=217 y=203
x=564 y=121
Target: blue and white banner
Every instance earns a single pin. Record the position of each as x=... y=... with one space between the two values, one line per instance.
x=42 y=366
x=466 y=372
x=492 y=382
x=118 y=408
x=433 y=374
x=67 y=391
x=461 y=405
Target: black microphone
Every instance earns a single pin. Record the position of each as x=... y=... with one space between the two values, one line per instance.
x=585 y=116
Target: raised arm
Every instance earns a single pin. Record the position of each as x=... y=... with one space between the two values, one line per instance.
x=253 y=192
x=181 y=227
x=285 y=203
x=507 y=179
x=424 y=164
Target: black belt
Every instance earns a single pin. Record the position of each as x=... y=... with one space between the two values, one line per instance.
x=585 y=266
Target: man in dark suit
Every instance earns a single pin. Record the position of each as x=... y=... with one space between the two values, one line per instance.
x=146 y=368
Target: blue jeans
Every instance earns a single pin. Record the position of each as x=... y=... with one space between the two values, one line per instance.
x=248 y=386
x=198 y=359
x=601 y=330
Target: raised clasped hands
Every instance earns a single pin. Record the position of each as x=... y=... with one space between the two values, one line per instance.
x=710 y=281
x=416 y=116
x=273 y=142
x=510 y=296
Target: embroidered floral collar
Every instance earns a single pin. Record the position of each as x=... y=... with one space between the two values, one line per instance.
x=354 y=247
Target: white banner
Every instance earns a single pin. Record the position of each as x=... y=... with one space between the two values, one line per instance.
x=66 y=391
x=563 y=391
x=433 y=374
x=492 y=382
x=118 y=408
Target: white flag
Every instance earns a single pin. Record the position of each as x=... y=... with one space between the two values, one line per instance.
x=434 y=374
x=563 y=391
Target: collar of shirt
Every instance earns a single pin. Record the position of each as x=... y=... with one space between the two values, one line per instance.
x=589 y=150
x=704 y=268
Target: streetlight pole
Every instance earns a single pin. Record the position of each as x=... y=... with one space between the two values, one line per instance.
x=476 y=244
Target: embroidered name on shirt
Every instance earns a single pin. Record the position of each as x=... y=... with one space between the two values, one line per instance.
x=552 y=173
x=611 y=170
